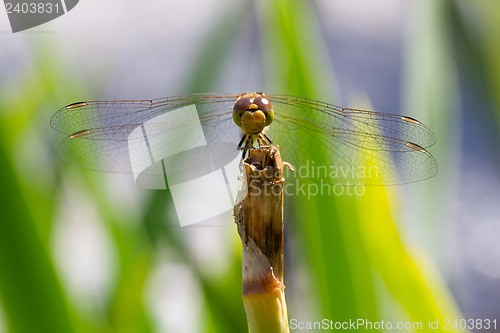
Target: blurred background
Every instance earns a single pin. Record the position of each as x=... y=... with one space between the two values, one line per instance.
x=83 y=251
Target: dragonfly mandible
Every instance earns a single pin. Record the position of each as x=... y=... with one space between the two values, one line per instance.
x=335 y=140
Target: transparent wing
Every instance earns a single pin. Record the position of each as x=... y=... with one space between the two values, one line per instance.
x=100 y=134
x=323 y=141
x=338 y=145
x=82 y=116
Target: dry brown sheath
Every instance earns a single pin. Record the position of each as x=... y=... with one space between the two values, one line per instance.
x=259 y=218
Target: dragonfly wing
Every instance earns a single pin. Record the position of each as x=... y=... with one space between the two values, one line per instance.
x=346 y=146
x=83 y=116
x=372 y=125
x=113 y=136
x=342 y=142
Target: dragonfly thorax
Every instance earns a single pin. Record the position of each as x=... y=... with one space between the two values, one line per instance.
x=252 y=112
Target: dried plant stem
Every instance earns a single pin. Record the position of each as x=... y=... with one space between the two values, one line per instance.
x=259 y=218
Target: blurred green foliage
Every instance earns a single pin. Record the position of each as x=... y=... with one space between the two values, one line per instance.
x=357 y=265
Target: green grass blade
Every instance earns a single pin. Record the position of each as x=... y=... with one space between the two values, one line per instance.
x=31 y=295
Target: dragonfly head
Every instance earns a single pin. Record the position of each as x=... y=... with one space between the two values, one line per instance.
x=252 y=112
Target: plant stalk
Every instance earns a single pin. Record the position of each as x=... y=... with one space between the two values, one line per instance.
x=259 y=218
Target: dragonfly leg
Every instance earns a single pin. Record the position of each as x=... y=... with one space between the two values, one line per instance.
x=260 y=141
x=243 y=138
x=268 y=139
x=245 y=145
x=264 y=141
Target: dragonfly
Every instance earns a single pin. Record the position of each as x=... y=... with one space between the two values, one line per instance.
x=320 y=140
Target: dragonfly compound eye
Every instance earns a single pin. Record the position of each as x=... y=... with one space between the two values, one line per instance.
x=265 y=106
x=239 y=108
